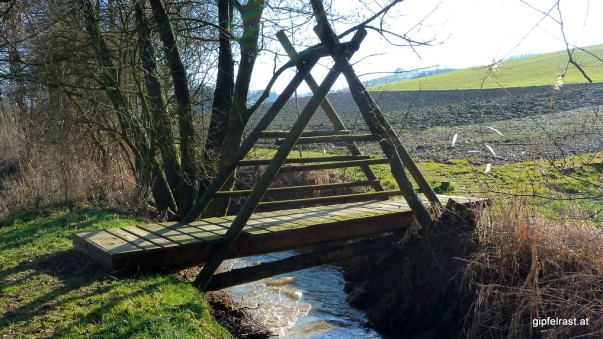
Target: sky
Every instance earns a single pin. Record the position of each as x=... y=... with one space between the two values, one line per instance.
x=464 y=33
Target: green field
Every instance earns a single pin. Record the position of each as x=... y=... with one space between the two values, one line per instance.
x=538 y=70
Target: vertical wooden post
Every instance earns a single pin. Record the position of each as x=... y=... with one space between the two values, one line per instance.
x=260 y=188
x=329 y=111
x=372 y=114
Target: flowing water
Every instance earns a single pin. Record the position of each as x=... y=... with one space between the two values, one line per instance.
x=306 y=304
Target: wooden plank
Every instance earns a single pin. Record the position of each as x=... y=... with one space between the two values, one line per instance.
x=331 y=165
x=300 y=262
x=331 y=138
x=306 y=188
x=283 y=134
x=81 y=241
x=307 y=218
x=286 y=204
x=151 y=237
x=199 y=233
x=110 y=243
x=289 y=221
x=170 y=234
x=302 y=160
x=132 y=239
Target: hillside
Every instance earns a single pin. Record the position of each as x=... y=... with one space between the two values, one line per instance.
x=537 y=70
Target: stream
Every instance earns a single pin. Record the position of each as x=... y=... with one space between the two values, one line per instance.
x=306 y=304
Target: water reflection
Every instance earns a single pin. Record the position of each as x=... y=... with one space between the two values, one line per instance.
x=306 y=304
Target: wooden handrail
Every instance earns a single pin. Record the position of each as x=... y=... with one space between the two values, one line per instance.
x=332 y=138
x=305 y=188
x=259 y=162
x=331 y=165
x=336 y=199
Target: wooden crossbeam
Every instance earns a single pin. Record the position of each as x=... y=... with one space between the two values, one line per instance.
x=336 y=199
x=331 y=165
x=300 y=262
x=318 y=51
x=305 y=188
x=259 y=162
x=332 y=138
x=283 y=134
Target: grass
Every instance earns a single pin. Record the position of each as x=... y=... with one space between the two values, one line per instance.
x=530 y=267
x=556 y=188
x=538 y=70
x=552 y=186
x=47 y=288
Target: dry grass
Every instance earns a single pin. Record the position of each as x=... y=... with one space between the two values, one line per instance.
x=528 y=268
x=37 y=174
x=492 y=279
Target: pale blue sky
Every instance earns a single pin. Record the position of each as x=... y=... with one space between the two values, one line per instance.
x=467 y=32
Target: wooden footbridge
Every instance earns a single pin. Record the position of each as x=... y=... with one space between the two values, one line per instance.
x=288 y=224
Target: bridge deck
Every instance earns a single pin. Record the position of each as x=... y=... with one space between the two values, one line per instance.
x=185 y=245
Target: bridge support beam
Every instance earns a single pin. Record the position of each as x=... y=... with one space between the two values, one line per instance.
x=301 y=261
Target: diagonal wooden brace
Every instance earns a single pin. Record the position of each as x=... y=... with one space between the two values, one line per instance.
x=375 y=120
x=260 y=188
x=329 y=111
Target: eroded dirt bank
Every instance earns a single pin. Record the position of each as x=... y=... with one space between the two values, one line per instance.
x=417 y=289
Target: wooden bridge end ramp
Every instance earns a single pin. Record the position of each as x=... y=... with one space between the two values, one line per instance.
x=175 y=245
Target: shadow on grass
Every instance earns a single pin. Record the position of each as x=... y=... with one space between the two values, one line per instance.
x=35 y=228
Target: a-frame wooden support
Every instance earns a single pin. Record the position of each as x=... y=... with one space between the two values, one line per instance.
x=329 y=110
x=378 y=126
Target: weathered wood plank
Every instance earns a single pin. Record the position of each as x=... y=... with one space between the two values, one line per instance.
x=199 y=233
x=110 y=243
x=331 y=138
x=138 y=248
x=302 y=160
x=168 y=233
x=332 y=165
x=299 y=262
x=132 y=239
x=81 y=241
x=286 y=204
x=283 y=134
x=151 y=237
x=306 y=188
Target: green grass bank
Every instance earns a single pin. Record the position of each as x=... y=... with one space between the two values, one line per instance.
x=48 y=289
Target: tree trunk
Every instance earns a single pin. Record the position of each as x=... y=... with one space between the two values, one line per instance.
x=187 y=191
x=238 y=115
x=222 y=101
x=166 y=183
